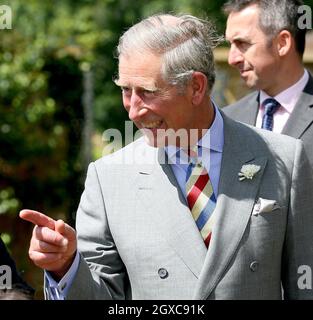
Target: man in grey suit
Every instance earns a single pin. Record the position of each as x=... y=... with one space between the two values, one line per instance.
x=139 y=234
x=267 y=43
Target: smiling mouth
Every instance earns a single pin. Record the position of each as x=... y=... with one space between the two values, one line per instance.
x=244 y=71
x=152 y=125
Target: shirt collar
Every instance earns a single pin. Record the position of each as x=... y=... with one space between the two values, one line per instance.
x=213 y=139
x=289 y=97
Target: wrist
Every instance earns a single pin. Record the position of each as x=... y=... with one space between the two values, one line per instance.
x=60 y=273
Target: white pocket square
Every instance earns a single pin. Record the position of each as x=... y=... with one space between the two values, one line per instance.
x=264 y=205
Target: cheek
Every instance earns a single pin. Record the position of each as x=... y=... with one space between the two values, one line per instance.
x=250 y=59
x=263 y=58
x=180 y=117
x=126 y=103
x=265 y=65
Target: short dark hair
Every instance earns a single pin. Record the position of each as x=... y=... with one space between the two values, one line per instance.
x=275 y=16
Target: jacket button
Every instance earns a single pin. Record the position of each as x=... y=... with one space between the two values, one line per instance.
x=254 y=266
x=163 y=274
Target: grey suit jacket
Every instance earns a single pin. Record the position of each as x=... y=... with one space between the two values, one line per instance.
x=299 y=125
x=137 y=238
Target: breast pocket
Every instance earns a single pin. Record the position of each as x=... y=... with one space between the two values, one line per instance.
x=275 y=217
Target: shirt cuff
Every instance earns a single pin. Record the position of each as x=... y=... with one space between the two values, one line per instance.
x=59 y=290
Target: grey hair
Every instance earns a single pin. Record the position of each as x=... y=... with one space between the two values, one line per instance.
x=184 y=41
x=275 y=16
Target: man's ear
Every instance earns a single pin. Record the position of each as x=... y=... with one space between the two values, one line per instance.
x=284 y=42
x=199 y=85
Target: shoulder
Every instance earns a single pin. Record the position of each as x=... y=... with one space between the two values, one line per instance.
x=260 y=141
x=117 y=167
x=277 y=141
x=240 y=104
x=134 y=154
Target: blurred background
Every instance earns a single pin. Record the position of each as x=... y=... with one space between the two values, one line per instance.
x=57 y=98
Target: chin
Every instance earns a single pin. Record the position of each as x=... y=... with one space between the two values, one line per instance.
x=154 y=141
x=251 y=83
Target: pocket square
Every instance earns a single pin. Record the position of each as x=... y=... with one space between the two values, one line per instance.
x=264 y=205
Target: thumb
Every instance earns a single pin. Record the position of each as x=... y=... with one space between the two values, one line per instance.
x=60 y=226
x=65 y=230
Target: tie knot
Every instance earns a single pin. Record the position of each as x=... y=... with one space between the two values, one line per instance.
x=271 y=106
x=193 y=154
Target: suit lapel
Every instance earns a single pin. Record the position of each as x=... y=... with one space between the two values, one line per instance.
x=249 y=109
x=234 y=206
x=252 y=110
x=160 y=193
x=302 y=116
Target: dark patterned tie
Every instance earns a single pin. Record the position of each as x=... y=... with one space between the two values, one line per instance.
x=270 y=107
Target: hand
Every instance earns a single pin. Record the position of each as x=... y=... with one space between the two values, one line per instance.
x=53 y=243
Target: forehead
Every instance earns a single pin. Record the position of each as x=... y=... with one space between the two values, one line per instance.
x=139 y=69
x=244 y=23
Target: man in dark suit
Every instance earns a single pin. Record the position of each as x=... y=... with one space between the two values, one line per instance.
x=266 y=45
x=20 y=288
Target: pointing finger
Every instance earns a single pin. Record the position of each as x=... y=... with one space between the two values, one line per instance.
x=37 y=218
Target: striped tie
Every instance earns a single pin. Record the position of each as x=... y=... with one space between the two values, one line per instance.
x=200 y=198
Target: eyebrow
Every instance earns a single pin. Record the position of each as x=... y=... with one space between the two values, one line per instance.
x=239 y=38
x=236 y=38
x=150 y=87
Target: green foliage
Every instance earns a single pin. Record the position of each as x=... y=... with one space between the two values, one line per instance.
x=40 y=106
x=6 y=238
x=8 y=202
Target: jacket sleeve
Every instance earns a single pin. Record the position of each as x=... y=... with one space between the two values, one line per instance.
x=298 y=248
x=101 y=273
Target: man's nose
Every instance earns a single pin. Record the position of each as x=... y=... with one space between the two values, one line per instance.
x=234 y=56
x=135 y=106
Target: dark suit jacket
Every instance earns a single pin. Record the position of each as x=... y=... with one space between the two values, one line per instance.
x=299 y=125
x=18 y=284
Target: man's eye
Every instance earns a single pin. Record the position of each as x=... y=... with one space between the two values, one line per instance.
x=125 y=90
x=243 y=45
x=149 y=93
